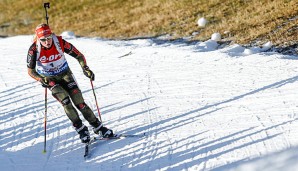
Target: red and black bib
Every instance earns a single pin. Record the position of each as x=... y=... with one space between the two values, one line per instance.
x=51 y=62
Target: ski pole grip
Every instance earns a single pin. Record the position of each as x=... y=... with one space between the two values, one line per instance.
x=46 y=5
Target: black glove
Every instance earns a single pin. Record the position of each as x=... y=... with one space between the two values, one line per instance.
x=46 y=83
x=88 y=73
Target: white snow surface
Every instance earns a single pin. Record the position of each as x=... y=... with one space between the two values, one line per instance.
x=201 y=106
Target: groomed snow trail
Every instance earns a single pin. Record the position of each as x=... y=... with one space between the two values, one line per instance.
x=202 y=109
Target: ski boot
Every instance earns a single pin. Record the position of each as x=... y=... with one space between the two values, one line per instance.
x=106 y=133
x=84 y=134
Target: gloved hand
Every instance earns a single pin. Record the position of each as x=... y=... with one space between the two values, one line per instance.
x=88 y=73
x=46 y=83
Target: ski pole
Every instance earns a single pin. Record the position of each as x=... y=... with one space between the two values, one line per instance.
x=45 y=121
x=95 y=101
x=46 y=5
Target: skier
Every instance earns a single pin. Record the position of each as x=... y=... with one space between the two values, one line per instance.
x=47 y=64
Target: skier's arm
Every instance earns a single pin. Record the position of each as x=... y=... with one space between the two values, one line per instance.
x=31 y=63
x=74 y=52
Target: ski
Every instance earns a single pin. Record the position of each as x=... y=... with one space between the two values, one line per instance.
x=119 y=136
x=116 y=136
x=87 y=148
x=132 y=135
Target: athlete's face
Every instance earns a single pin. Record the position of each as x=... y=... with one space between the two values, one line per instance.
x=46 y=41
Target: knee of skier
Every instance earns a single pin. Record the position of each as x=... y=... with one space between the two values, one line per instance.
x=81 y=106
x=65 y=101
x=75 y=91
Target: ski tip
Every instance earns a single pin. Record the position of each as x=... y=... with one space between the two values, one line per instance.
x=133 y=135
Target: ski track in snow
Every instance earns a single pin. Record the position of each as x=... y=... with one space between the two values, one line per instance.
x=202 y=109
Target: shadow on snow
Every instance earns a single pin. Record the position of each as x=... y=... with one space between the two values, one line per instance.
x=19 y=135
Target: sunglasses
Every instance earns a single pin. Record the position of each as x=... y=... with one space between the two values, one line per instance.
x=46 y=38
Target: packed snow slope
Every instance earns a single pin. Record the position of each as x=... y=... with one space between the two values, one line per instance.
x=202 y=106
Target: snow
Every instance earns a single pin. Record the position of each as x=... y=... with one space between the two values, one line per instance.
x=202 y=22
x=68 y=35
x=206 y=46
x=216 y=37
x=267 y=46
x=201 y=106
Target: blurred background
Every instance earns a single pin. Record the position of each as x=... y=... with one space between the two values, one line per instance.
x=238 y=21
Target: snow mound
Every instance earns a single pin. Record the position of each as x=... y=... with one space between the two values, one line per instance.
x=234 y=50
x=206 y=46
x=68 y=35
x=142 y=42
x=202 y=22
x=266 y=46
x=216 y=37
x=238 y=50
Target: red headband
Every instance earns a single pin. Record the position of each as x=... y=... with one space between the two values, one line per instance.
x=43 y=31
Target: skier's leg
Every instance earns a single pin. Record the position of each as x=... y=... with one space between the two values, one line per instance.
x=75 y=94
x=77 y=98
x=62 y=96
